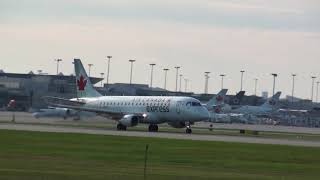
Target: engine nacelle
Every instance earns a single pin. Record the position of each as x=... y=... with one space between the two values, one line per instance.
x=177 y=124
x=129 y=120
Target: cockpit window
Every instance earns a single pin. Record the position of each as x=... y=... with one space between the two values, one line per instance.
x=188 y=104
x=196 y=104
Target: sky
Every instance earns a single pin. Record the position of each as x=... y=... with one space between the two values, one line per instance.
x=222 y=37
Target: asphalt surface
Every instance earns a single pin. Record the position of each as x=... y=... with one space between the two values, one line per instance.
x=58 y=129
x=267 y=128
x=22 y=117
x=24 y=121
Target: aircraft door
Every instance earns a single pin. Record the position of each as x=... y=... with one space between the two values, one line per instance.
x=178 y=106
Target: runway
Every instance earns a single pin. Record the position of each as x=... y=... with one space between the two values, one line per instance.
x=260 y=127
x=88 y=130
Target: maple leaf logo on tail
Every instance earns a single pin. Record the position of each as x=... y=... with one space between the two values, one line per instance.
x=272 y=102
x=81 y=83
x=217 y=110
x=219 y=98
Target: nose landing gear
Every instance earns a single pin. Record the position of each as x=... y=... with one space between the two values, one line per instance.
x=189 y=130
x=121 y=127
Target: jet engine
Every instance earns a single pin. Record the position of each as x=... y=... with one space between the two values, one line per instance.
x=177 y=124
x=129 y=120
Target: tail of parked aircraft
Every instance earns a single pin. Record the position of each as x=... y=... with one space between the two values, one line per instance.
x=84 y=86
x=273 y=101
x=218 y=100
x=236 y=100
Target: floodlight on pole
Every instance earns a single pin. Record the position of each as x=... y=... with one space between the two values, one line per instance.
x=180 y=82
x=165 y=78
x=317 y=91
x=58 y=61
x=90 y=65
x=131 y=61
x=293 y=84
x=206 y=75
x=222 y=77
x=101 y=79
x=186 y=84
x=177 y=72
x=255 y=86
x=108 y=69
x=241 y=81
x=274 y=82
x=313 y=78
x=152 y=64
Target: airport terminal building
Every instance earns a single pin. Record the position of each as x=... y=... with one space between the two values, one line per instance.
x=28 y=89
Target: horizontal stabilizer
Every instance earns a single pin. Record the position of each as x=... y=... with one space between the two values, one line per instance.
x=80 y=106
x=61 y=102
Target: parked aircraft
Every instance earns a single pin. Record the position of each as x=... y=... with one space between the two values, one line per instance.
x=246 y=114
x=269 y=106
x=217 y=101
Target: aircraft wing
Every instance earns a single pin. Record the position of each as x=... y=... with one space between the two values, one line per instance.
x=81 y=106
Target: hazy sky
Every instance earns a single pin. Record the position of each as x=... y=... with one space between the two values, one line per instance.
x=259 y=36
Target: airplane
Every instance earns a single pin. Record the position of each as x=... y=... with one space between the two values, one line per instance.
x=128 y=111
x=216 y=101
x=233 y=103
x=245 y=114
x=219 y=110
x=236 y=100
x=271 y=105
x=55 y=112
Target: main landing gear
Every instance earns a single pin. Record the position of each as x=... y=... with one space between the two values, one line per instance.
x=121 y=127
x=188 y=130
x=153 y=128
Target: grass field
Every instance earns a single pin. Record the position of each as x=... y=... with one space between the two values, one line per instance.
x=35 y=155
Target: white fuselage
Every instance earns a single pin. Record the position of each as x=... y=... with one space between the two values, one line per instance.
x=155 y=109
x=253 y=110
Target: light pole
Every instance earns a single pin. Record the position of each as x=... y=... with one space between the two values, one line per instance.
x=241 y=81
x=180 y=82
x=274 y=82
x=293 y=78
x=222 y=76
x=313 y=78
x=102 y=79
x=255 y=86
x=177 y=72
x=206 y=75
x=109 y=58
x=317 y=91
x=185 y=84
x=90 y=68
x=131 y=61
x=58 y=61
x=165 y=78
x=153 y=64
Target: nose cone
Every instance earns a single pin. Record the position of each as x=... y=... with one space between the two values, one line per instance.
x=204 y=114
